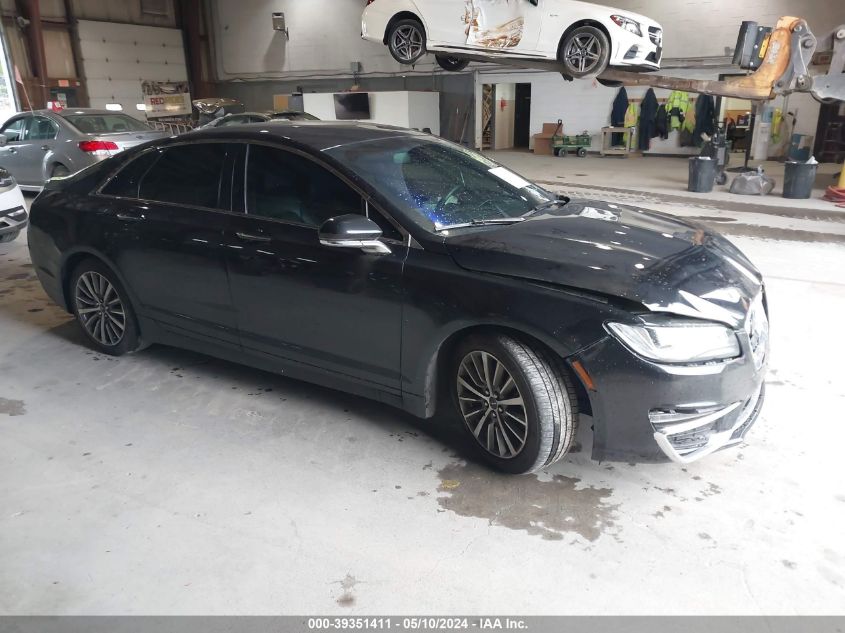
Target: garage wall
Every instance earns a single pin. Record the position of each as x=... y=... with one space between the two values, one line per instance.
x=118 y=57
x=325 y=37
x=697 y=28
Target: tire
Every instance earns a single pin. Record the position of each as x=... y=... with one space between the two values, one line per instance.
x=607 y=83
x=532 y=377
x=582 y=152
x=406 y=41
x=584 y=52
x=59 y=171
x=88 y=292
x=451 y=64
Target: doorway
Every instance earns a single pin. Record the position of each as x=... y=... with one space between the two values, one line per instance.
x=522 y=117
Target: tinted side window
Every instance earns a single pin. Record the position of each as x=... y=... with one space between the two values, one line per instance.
x=41 y=129
x=284 y=186
x=14 y=130
x=125 y=183
x=187 y=174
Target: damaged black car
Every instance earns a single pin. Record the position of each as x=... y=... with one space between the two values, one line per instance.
x=397 y=266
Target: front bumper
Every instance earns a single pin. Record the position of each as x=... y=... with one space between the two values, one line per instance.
x=13 y=218
x=639 y=51
x=647 y=412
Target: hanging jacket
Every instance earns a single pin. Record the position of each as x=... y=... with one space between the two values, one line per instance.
x=620 y=107
x=632 y=117
x=705 y=118
x=677 y=105
x=617 y=115
x=648 y=116
x=661 y=127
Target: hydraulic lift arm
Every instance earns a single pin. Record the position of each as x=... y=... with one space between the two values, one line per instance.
x=784 y=68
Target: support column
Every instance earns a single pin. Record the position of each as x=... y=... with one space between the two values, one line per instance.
x=39 y=93
x=191 y=11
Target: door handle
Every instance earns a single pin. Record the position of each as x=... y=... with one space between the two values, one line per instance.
x=46 y=148
x=247 y=237
x=129 y=217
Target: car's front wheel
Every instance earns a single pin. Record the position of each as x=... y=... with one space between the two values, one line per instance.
x=452 y=64
x=102 y=308
x=585 y=52
x=406 y=41
x=517 y=402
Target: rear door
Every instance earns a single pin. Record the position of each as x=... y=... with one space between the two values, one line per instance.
x=447 y=21
x=40 y=136
x=336 y=309
x=165 y=214
x=11 y=156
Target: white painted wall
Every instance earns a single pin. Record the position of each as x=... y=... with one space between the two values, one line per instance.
x=118 y=57
x=403 y=109
x=703 y=28
x=325 y=37
x=505 y=116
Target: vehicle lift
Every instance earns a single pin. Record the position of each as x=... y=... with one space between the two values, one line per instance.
x=780 y=58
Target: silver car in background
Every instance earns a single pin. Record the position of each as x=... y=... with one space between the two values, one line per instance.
x=39 y=145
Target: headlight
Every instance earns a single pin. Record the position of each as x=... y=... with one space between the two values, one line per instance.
x=628 y=24
x=6 y=179
x=677 y=340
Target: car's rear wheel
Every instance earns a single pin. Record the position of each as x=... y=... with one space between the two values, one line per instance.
x=452 y=64
x=102 y=308
x=585 y=52
x=517 y=402
x=406 y=41
x=59 y=171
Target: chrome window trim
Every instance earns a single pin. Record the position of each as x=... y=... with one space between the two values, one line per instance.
x=98 y=192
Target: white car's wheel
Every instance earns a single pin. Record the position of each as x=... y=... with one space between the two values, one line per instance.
x=452 y=64
x=406 y=41
x=585 y=52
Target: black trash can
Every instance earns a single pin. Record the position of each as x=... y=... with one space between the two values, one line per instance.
x=702 y=174
x=799 y=179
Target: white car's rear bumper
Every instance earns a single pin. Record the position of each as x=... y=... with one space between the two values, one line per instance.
x=374 y=23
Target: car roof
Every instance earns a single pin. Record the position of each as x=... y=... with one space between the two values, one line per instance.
x=317 y=135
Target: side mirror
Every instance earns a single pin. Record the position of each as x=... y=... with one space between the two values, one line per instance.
x=353 y=231
x=3 y=140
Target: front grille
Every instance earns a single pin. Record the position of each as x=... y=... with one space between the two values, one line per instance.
x=757 y=328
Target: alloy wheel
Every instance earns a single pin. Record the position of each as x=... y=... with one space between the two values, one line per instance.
x=408 y=43
x=584 y=52
x=491 y=404
x=100 y=308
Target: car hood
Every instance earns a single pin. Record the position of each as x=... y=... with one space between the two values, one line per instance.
x=660 y=261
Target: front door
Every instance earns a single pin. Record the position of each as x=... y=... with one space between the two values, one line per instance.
x=505 y=26
x=165 y=214
x=332 y=309
x=11 y=157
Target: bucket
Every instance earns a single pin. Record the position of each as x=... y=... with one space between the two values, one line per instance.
x=702 y=174
x=799 y=179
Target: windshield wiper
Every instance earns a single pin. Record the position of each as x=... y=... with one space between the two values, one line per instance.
x=562 y=201
x=488 y=222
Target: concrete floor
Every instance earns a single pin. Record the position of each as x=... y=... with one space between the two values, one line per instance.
x=171 y=483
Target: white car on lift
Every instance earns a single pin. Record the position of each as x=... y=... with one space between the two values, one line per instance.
x=586 y=38
x=13 y=217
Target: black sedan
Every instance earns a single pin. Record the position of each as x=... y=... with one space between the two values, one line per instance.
x=392 y=264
